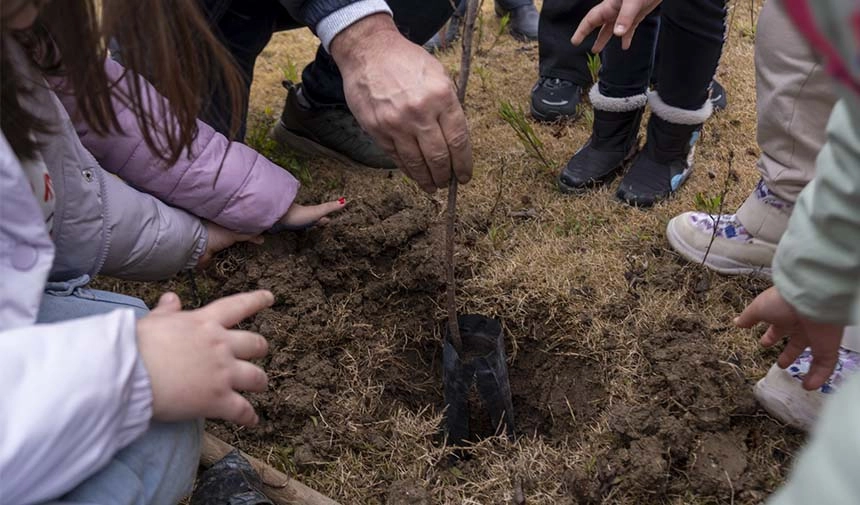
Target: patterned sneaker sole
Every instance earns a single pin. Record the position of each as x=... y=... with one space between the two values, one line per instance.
x=782 y=396
x=309 y=148
x=716 y=262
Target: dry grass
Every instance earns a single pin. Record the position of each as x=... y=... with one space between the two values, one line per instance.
x=567 y=276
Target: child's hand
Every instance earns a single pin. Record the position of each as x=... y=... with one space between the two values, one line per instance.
x=197 y=366
x=221 y=238
x=299 y=217
x=613 y=17
x=823 y=338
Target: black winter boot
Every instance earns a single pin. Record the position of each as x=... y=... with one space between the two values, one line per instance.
x=230 y=481
x=666 y=160
x=613 y=141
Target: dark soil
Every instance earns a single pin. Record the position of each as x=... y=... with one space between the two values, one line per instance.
x=693 y=427
x=358 y=303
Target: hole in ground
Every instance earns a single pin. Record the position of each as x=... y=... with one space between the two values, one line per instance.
x=553 y=395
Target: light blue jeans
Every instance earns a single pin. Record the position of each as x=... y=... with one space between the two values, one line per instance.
x=157 y=468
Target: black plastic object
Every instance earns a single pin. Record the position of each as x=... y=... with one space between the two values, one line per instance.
x=230 y=481
x=481 y=362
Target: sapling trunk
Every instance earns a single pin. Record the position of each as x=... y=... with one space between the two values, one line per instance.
x=719 y=215
x=462 y=82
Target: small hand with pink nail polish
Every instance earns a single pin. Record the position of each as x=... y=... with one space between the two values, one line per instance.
x=305 y=216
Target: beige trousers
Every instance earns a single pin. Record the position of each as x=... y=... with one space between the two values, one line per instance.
x=794 y=99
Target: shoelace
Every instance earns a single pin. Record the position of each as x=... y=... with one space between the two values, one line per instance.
x=556 y=83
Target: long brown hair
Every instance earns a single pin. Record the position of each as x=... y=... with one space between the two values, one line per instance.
x=168 y=41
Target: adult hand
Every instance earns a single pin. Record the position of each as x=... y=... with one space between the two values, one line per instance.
x=196 y=365
x=221 y=238
x=304 y=216
x=402 y=96
x=823 y=338
x=613 y=17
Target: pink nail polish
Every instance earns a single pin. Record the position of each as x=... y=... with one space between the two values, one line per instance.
x=341 y=201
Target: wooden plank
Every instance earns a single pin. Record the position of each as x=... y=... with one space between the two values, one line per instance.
x=279 y=487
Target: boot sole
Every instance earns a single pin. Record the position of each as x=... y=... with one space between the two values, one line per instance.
x=522 y=37
x=640 y=203
x=593 y=184
x=553 y=118
x=307 y=147
x=602 y=181
x=716 y=262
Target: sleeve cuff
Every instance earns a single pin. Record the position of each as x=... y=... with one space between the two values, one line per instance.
x=199 y=248
x=337 y=21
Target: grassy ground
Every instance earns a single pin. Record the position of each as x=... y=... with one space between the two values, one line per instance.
x=630 y=384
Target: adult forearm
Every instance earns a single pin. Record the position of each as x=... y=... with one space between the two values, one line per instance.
x=350 y=47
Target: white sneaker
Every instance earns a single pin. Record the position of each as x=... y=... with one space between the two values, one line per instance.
x=781 y=394
x=734 y=251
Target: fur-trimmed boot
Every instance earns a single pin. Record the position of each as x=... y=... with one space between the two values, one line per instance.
x=614 y=140
x=664 y=164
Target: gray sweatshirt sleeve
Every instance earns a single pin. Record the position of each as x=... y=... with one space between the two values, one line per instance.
x=331 y=25
x=327 y=18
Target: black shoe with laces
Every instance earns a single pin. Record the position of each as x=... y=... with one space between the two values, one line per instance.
x=553 y=99
x=329 y=131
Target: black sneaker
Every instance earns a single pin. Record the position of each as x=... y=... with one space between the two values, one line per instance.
x=329 y=131
x=554 y=99
x=663 y=165
x=230 y=481
x=523 y=21
x=718 y=96
x=613 y=142
x=445 y=38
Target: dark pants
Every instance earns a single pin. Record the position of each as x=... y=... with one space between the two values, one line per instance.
x=558 y=57
x=246 y=26
x=690 y=37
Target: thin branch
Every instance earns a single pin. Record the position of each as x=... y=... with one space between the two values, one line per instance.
x=719 y=216
x=462 y=82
